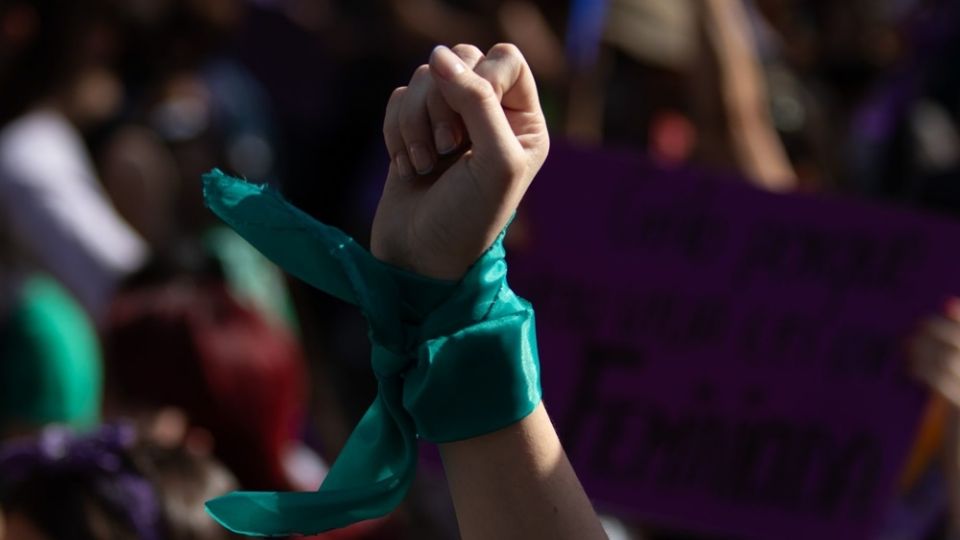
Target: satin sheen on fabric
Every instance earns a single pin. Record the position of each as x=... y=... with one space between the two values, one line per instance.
x=453 y=360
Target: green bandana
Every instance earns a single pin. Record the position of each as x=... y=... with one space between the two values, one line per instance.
x=453 y=360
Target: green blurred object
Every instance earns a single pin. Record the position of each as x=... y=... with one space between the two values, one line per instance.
x=50 y=369
x=453 y=360
x=251 y=276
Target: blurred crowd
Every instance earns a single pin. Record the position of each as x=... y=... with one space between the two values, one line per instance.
x=150 y=359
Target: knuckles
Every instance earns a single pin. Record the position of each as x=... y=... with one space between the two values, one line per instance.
x=479 y=90
x=390 y=116
x=469 y=53
x=510 y=167
x=396 y=94
x=508 y=50
x=407 y=118
x=423 y=70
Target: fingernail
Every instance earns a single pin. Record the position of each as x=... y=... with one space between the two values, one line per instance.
x=443 y=137
x=422 y=160
x=403 y=166
x=447 y=64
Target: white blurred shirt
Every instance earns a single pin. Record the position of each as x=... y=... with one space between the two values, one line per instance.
x=57 y=215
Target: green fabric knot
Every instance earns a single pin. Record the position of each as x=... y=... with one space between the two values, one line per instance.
x=387 y=363
x=453 y=360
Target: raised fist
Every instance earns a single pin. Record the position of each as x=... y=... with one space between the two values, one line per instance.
x=465 y=139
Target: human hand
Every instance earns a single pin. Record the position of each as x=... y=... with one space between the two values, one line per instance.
x=465 y=139
x=934 y=353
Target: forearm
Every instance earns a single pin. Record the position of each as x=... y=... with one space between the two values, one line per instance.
x=756 y=145
x=518 y=483
x=514 y=482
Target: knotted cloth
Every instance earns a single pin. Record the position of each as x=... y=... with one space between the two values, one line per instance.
x=453 y=360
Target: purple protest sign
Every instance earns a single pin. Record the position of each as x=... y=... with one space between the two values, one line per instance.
x=720 y=359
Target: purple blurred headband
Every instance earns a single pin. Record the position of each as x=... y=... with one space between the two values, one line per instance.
x=101 y=455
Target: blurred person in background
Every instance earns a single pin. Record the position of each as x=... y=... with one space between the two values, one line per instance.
x=57 y=82
x=792 y=95
x=934 y=359
x=189 y=347
x=106 y=485
x=767 y=88
x=905 y=136
x=63 y=248
x=681 y=80
x=904 y=145
x=191 y=106
x=194 y=366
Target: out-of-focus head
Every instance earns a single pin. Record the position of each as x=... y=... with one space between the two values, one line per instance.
x=184 y=481
x=141 y=177
x=106 y=485
x=168 y=37
x=58 y=485
x=194 y=347
x=59 y=52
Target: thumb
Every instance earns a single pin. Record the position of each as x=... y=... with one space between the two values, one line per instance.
x=476 y=101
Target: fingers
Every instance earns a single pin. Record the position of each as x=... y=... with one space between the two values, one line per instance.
x=448 y=129
x=510 y=76
x=936 y=364
x=419 y=125
x=414 y=121
x=507 y=72
x=462 y=94
x=474 y=98
x=934 y=356
x=943 y=330
x=400 y=164
x=470 y=54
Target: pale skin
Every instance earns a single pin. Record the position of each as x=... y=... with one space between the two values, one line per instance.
x=934 y=359
x=465 y=139
x=756 y=146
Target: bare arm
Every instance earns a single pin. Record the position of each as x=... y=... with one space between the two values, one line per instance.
x=443 y=204
x=756 y=146
x=518 y=483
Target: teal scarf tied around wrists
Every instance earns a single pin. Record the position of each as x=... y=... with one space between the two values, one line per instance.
x=453 y=360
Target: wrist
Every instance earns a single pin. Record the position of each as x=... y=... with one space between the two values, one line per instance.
x=412 y=261
x=426 y=269
x=454 y=359
x=480 y=340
